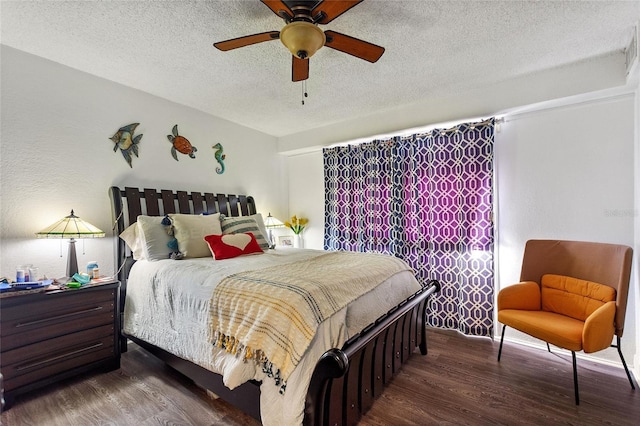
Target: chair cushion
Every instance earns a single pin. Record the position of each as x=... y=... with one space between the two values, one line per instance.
x=574 y=297
x=557 y=329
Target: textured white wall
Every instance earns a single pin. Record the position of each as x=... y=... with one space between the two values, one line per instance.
x=306 y=195
x=56 y=155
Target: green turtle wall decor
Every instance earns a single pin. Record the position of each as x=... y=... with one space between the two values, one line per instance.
x=180 y=144
x=127 y=143
x=219 y=158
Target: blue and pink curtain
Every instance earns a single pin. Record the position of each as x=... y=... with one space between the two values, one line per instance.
x=427 y=199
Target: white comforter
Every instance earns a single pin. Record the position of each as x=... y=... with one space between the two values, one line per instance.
x=167 y=305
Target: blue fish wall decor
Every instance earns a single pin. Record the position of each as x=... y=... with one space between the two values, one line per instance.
x=126 y=142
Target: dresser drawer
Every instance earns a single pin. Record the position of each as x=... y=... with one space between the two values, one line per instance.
x=31 y=354
x=34 y=322
x=48 y=365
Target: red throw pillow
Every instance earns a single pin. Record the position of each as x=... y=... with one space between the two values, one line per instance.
x=232 y=245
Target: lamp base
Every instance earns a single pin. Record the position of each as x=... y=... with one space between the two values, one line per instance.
x=271 y=241
x=72 y=260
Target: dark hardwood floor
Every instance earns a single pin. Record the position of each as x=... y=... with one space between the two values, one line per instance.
x=459 y=382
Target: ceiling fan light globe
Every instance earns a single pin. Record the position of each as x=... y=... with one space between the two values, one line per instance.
x=302 y=38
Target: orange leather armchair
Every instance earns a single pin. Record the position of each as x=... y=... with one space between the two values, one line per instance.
x=572 y=294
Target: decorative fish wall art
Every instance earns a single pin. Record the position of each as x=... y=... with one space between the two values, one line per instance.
x=125 y=140
x=180 y=144
x=219 y=158
x=127 y=143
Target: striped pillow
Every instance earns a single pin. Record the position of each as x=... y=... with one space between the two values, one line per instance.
x=243 y=224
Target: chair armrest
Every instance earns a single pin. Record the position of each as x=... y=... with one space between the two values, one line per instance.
x=598 y=330
x=524 y=296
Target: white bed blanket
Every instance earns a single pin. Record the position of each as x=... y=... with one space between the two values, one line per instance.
x=167 y=305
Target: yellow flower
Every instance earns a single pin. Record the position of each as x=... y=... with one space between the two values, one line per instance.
x=297 y=224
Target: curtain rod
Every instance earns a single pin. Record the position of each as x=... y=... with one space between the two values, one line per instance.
x=390 y=139
x=457 y=127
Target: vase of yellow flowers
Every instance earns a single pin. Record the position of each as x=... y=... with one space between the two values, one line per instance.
x=297 y=225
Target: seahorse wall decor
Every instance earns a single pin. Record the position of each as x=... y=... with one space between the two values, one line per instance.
x=219 y=158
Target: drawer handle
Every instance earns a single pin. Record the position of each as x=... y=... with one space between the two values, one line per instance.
x=72 y=314
x=57 y=357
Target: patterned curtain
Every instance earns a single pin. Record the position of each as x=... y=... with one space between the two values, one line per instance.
x=427 y=199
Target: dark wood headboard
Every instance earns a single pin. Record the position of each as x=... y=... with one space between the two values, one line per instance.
x=127 y=204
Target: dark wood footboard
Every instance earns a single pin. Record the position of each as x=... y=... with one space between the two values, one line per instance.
x=346 y=381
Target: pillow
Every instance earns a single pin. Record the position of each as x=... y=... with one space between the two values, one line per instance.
x=153 y=237
x=147 y=238
x=243 y=224
x=574 y=297
x=190 y=231
x=228 y=246
x=263 y=229
x=131 y=238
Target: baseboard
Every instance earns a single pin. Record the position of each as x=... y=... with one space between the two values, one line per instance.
x=614 y=362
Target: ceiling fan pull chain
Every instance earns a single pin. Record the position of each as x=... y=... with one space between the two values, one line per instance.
x=304 y=91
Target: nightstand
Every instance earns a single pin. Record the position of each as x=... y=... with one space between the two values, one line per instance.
x=50 y=336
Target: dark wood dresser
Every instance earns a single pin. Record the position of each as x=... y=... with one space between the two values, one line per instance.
x=50 y=336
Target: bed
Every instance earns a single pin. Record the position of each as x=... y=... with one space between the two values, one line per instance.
x=329 y=385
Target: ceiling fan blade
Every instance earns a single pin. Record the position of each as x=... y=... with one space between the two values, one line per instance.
x=278 y=7
x=353 y=46
x=299 y=69
x=234 y=43
x=332 y=9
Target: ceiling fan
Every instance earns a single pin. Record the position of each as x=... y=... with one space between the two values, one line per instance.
x=302 y=36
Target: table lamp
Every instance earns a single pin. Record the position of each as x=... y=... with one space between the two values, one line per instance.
x=271 y=222
x=71 y=227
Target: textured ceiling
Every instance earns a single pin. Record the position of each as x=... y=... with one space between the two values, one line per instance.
x=432 y=48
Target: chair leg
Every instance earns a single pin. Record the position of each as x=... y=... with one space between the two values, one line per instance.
x=575 y=378
x=575 y=365
x=624 y=364
x=504 y=327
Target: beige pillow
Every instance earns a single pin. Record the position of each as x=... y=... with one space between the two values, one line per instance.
x=190 y=231
x=130 y=237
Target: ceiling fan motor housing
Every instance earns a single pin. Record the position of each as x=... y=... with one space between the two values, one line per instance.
x=302 y=36
x=303 y=39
